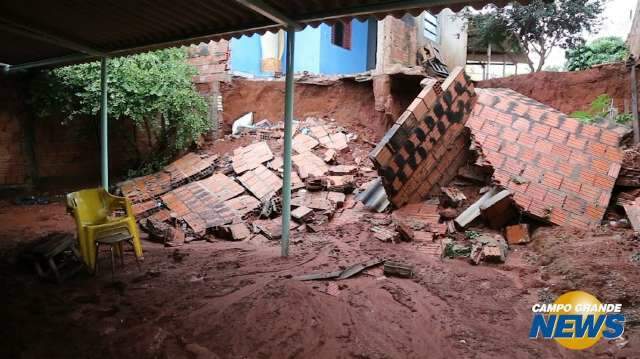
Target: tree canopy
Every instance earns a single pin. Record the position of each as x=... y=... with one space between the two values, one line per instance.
x=153 y=89
x=600 y=51
x=538 y=27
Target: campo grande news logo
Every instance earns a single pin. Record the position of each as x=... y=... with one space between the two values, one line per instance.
x=577 y=320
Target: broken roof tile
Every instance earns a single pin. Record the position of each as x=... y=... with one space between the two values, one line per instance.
x=561 y=165
x=222 y=186
x=303 y=143
x=243 y=204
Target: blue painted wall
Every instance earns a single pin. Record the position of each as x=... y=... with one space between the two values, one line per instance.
x=314 y=52
x=337 y=60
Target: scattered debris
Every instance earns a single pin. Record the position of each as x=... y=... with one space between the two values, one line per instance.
x=342 y=274
x=498 y=210
x=517 y=234
x=385 y=234
x=453 y=196
x=489 y=249
x=397 y=269
x=419 y=222
x=473 y=211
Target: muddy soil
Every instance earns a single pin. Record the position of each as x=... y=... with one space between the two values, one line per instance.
x=239 y=300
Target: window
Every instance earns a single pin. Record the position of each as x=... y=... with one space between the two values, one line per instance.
x=430 y=29
x=341 y=34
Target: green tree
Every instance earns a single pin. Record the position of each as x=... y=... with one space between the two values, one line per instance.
x=600 y=51
x=153 y=89
x=539 y=27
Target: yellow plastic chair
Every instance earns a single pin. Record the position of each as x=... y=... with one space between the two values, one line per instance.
x=93 y=210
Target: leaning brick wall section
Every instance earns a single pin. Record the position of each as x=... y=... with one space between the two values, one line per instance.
x=426 y=145
x=558 y=168
x=212 y=61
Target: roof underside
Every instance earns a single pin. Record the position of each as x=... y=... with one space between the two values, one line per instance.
x=38 y=30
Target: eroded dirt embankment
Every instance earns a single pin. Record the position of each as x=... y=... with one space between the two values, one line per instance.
x=571 y=91
x=350 y=103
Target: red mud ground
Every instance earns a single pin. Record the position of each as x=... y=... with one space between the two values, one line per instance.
x=238 y=300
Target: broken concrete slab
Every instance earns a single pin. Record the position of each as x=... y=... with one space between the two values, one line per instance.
x=426 y=146
x=498 y=210
x=473 y=211
x=272 y=228
x=632 y=209
x=325 y=201
x=559 y=169
x=261 y=182
x=308 y=164
x=517 y=234
x=250 y=157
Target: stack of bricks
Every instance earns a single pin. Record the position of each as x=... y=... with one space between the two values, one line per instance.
x=425 y=147
x=559 y=169
x=185 y=169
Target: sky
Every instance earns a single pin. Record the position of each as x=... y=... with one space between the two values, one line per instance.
x=616 y=21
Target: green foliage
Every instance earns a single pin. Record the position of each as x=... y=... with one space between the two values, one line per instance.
x=471 y=234
x=600 y=51
x=153 y=89
x=541 y=26
x=598 y=110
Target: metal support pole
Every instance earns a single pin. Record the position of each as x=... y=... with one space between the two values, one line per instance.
x=288 y=126
x=104 y=129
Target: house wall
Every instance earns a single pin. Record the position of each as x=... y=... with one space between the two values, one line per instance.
x=453 y=39
x=338 y=60
x=633 y=40
x=397 y=42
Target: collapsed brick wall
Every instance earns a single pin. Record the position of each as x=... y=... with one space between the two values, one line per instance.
x=558 y=169
x=426 y=145
x=571 y=91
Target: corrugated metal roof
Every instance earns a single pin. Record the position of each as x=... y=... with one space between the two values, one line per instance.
x=119 y=27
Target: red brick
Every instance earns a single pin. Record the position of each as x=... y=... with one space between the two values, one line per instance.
x=574 y=205
x=522 y=200
x=603 y=200
x=604 y=182
x=521 y=124
x=569 y=185
x=475 y=122
x=518 y=187
x=496 y=159
x=570 y=124
x=552 y=119
x=547 y=162
x=501 y=176
x=491 y=128
x=540 y=130
x=555 y=198
x=544 y=146
x=528 y=155
x=600 y=165
x=503 y=119
x=614 y=154
x=566 y=169
x=491 y=143
x=558 y=136
x=536 y=191
x=596 y=149
x=513 y=166
x=562 y=151
x=587 y=176
x=509 y=134
x=527 y=139
x=590 y=131
x=576 y=142
x=594 y=213
x=579 y=158
x=510 y=149
x=552 y=180
x=532 y=173
x=614 y=170
x=578 y=222
x=540 y=209
x=559 y=216
x=610 y=138
x=589 y=193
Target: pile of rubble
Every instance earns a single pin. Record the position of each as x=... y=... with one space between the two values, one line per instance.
x=237 y=195
x=462 y=172
x=519 y=160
